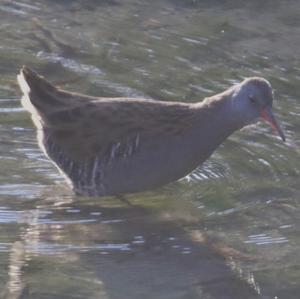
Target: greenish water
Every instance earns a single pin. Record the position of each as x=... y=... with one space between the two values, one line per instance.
x=229 y=230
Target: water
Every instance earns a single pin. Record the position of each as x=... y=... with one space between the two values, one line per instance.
x=229 y=230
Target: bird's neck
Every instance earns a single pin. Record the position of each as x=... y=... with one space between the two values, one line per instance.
x=217 y=118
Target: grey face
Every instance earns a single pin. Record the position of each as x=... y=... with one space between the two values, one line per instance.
x=252 y=99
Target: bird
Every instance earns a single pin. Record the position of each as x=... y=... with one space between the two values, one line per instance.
x=113 y=146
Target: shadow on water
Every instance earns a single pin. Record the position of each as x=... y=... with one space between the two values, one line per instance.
x=120 y=252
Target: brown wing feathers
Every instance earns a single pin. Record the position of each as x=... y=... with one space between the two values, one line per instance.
x=84 y=126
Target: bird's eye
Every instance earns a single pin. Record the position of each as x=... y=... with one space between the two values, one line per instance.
x=252 y=99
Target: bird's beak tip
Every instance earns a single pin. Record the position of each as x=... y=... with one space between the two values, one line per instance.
x=267 y=115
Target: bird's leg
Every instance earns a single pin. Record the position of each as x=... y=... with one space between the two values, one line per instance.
x=123 y=199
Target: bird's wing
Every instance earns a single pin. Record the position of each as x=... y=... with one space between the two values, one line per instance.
x=113 y=127
x=86 y=127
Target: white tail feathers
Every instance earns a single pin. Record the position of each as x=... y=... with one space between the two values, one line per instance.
x=25 y=100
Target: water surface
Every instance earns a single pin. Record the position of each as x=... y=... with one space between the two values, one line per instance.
x=229 y=230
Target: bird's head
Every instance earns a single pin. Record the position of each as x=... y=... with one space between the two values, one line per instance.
x=252 y=99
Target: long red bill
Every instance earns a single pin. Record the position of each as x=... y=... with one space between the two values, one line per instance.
x=268 y=116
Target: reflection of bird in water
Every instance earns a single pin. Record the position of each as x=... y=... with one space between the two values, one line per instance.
x=111 y=146
x=87 y=259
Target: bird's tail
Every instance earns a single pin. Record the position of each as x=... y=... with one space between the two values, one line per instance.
x=38 y=93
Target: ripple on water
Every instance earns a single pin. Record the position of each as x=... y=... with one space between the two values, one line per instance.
x=11 y=110
x=12 y=10
x=199 y=41
x=27 y=216
x=26 y=5
x=70 y=64
x=8 y=216
x=76 y=221
x=209 y=170
x=80 y=68
x=264 y=239
x=5 y=247
x=55 y=248
x=20 y=190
